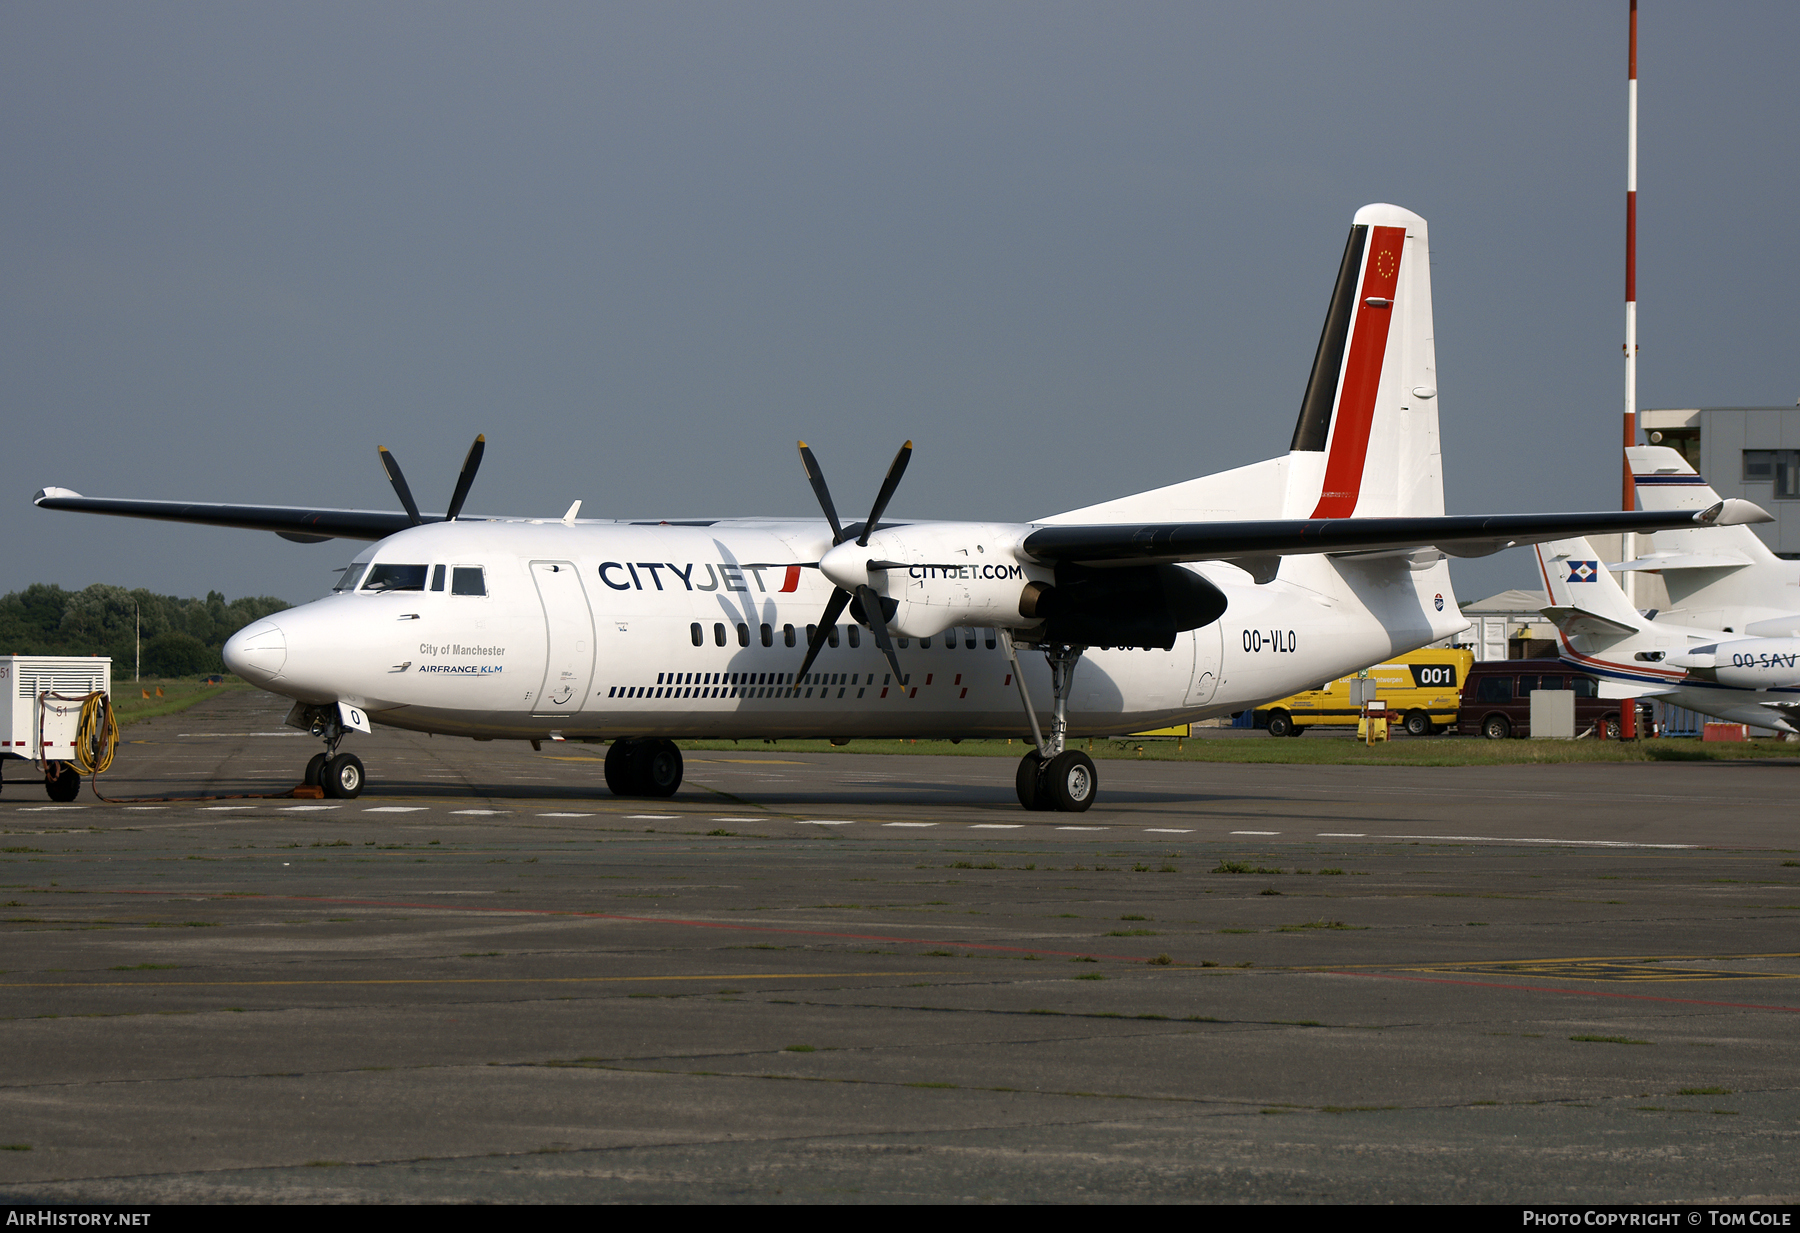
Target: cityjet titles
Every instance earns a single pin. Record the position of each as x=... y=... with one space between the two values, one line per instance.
x=965 y=571
x=645 y=575
x=650 y=575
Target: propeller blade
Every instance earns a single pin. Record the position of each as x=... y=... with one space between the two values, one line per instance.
x=834 y=608
x=877 y=622
x=463 y=481
x=816 y=478
x=895 y=470
x=399 y=482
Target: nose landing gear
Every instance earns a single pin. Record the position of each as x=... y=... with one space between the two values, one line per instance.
x=340 y=775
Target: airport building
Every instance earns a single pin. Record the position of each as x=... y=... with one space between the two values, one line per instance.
x=1748 y=452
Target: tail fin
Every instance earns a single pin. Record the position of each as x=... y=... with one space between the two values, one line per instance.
x=1584 y=599
x=1717 y=577
x=1367 y=439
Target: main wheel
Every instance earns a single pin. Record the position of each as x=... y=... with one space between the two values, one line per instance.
x=343 y=777
x=1280 y=724
x=620 y=777
x=65 y=785
x=1070 y=781
x=656 y=765
x=1495 y=728
x=1030 y=782
x=1418 y=723
x=315 y=770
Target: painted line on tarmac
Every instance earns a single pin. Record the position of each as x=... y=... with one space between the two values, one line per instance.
x=449 y=980
x=1571 y=843
x=1256 y=832
x=1574 y=993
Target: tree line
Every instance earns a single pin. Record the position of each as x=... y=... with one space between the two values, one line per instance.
x=181 y=637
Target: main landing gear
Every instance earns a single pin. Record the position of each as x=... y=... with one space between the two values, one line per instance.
x=643 y=766
x=1052 y=777
x=340 y=775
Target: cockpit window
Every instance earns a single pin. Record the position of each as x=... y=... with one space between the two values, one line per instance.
x=467 y=580
x=385 y=577
x=351 y=576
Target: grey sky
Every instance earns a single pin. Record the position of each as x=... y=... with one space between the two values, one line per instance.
x=1071 y=251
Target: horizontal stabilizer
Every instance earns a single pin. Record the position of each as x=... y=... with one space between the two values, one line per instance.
x=1684 y=560
x=1573 y=621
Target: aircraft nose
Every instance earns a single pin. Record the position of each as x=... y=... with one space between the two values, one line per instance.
x=257 y=652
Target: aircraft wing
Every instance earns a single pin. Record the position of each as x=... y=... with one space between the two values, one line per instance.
x=306 y=525
x=1473 y=535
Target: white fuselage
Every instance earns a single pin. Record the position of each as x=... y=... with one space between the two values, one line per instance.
x=602 y=630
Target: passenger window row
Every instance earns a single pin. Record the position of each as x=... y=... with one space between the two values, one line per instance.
x=789 y=635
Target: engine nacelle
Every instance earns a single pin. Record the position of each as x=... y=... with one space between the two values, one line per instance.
x=1747 y=663
x=931 y=576
x=1138 y=606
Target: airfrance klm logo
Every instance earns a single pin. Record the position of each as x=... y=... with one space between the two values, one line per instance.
x=1583 y=571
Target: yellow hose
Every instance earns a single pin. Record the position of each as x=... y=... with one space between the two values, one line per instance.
x=96 y=735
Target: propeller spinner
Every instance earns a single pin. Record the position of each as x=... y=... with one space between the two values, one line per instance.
x=868 y=609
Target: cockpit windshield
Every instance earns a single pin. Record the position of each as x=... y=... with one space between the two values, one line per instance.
x=386 y=577
x=351 y=576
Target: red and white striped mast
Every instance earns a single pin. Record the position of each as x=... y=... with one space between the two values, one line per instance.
x=1628 y=490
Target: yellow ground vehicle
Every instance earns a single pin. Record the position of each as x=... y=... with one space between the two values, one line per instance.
x=1424 y=687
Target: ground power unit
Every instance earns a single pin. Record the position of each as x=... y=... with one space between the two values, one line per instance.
x=46 y=694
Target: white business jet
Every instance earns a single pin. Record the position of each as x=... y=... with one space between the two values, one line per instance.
x=1198 y=599
x=1719 y=672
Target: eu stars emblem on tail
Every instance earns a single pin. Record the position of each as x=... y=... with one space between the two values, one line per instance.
x=1583 y=571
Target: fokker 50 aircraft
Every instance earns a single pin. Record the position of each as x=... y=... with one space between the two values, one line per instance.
x=1197 y=599
x=1752 y=680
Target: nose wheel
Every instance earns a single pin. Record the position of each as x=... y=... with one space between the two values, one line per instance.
x=342 y=777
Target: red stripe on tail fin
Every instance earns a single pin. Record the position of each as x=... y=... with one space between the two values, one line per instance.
x=1362 y=375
